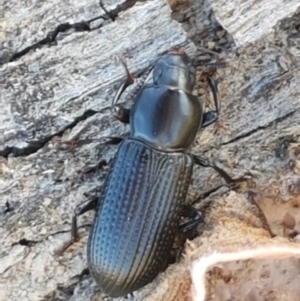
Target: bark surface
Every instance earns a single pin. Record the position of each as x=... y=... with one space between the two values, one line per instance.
x=56 y=82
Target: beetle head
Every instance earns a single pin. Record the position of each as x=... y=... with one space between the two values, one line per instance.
x=175 y=69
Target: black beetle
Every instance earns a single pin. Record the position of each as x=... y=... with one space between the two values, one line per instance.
x=144 y=196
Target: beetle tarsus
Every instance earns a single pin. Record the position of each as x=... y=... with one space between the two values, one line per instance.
x=79 y=210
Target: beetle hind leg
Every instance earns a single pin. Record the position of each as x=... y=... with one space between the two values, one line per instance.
x=79 y=210
x=187 y=230
x=231 y=183
x=204 y=162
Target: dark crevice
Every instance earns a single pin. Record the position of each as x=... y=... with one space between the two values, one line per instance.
x=51 y=36
x=76 y=27
x=245 y=135
x=29 y=243
x=7 y=207
x=34 y=146
x=84 y=272
x=248 y=134
x=61 y=293
x=209 y=32
x=26 y=242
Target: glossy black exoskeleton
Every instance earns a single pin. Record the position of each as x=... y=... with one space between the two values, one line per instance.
x=144 y=196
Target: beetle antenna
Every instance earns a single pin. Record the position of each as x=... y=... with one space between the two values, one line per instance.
x=144 y=76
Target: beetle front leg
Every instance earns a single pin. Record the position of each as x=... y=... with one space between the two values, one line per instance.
x=119 y=111
x=212 y=116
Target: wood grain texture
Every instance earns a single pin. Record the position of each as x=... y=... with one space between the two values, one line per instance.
x=52 y=97
x=55 y=85
x=42 y=94
x=24 y=23
x=248 y=21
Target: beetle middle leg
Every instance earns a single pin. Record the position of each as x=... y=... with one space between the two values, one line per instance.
x=88 y=205
x=107 y=140
x=230 y=182
x=204 y=162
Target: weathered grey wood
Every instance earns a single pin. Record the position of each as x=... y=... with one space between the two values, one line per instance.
x=24 y=23
x=41 y=94
x=44 y=91
x=248 y=21
x=53 y=81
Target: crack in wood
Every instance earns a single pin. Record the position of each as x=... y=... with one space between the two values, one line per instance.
x=29 y=243
x=65 y=292
x=34 y=146
x=62 y=292
x=26 y=242
x=262 y=127
x=77 y=27
x=14 y=264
